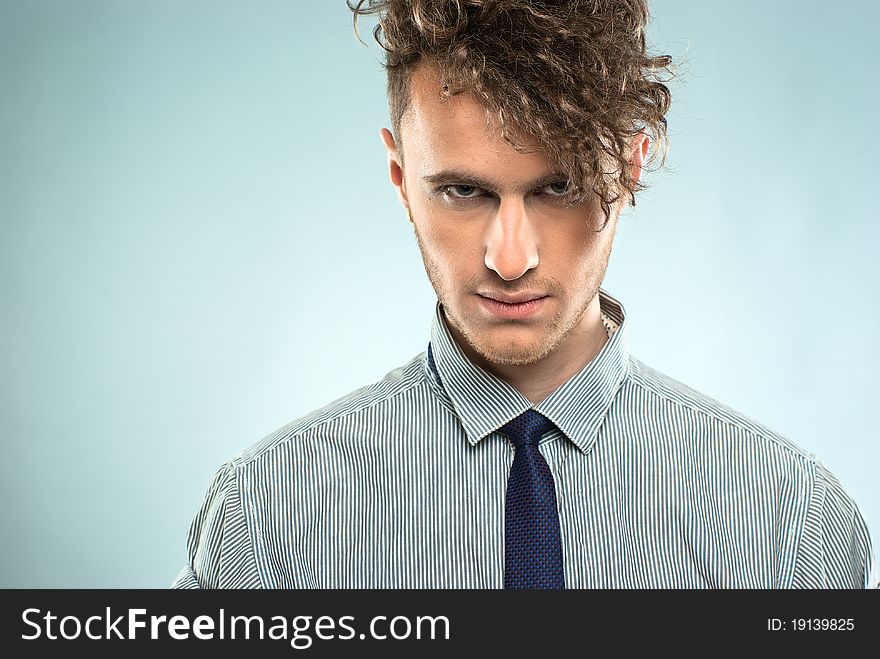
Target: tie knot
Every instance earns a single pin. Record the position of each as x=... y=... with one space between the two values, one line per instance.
x=527 y=428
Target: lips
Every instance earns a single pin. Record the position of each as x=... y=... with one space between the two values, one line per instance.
x=520 y=306
x=517 y=298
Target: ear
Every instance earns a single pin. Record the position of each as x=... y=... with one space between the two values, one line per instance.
x=640 y=144
x=395 y=166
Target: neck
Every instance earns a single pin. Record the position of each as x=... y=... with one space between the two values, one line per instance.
x=538 y=380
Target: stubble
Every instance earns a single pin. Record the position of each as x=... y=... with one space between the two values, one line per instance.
x=556 y=330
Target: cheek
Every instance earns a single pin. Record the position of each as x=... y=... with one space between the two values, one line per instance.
x=575 y=257
x=454 y=246
x=573 y=247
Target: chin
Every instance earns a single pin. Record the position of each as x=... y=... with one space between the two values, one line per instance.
x=507 y=345
x=510 y=359
x=511 y=353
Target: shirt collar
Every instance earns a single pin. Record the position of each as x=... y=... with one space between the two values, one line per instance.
x=484 y=402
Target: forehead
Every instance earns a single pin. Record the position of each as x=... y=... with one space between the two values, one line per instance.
x=442 y=133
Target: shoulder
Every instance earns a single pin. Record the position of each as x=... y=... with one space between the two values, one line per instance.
x=762 y=476
x=385 y=392
x=679 y=406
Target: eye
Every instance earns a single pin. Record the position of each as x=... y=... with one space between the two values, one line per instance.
x=557 y=188
x=461 y=191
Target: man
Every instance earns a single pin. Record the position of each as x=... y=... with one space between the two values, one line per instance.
x=525 y=448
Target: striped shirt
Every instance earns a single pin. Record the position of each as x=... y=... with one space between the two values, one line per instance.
x=401 y=484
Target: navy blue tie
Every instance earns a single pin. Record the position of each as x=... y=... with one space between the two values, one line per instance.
x=532 y=542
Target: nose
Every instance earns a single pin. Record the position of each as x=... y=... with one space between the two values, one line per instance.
x=511 y=241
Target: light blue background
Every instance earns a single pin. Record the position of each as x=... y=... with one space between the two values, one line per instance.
x=200 y=244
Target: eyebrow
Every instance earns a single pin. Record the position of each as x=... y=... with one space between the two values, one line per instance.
x=463 y=177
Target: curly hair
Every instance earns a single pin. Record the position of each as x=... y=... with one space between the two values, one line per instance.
x=572 y=74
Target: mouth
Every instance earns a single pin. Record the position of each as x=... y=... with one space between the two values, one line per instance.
x=521 y=305
x=517 y=298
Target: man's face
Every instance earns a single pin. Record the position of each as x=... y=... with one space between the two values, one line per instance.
x=513 y=268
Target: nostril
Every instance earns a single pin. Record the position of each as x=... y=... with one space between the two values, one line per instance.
x=510 y=267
